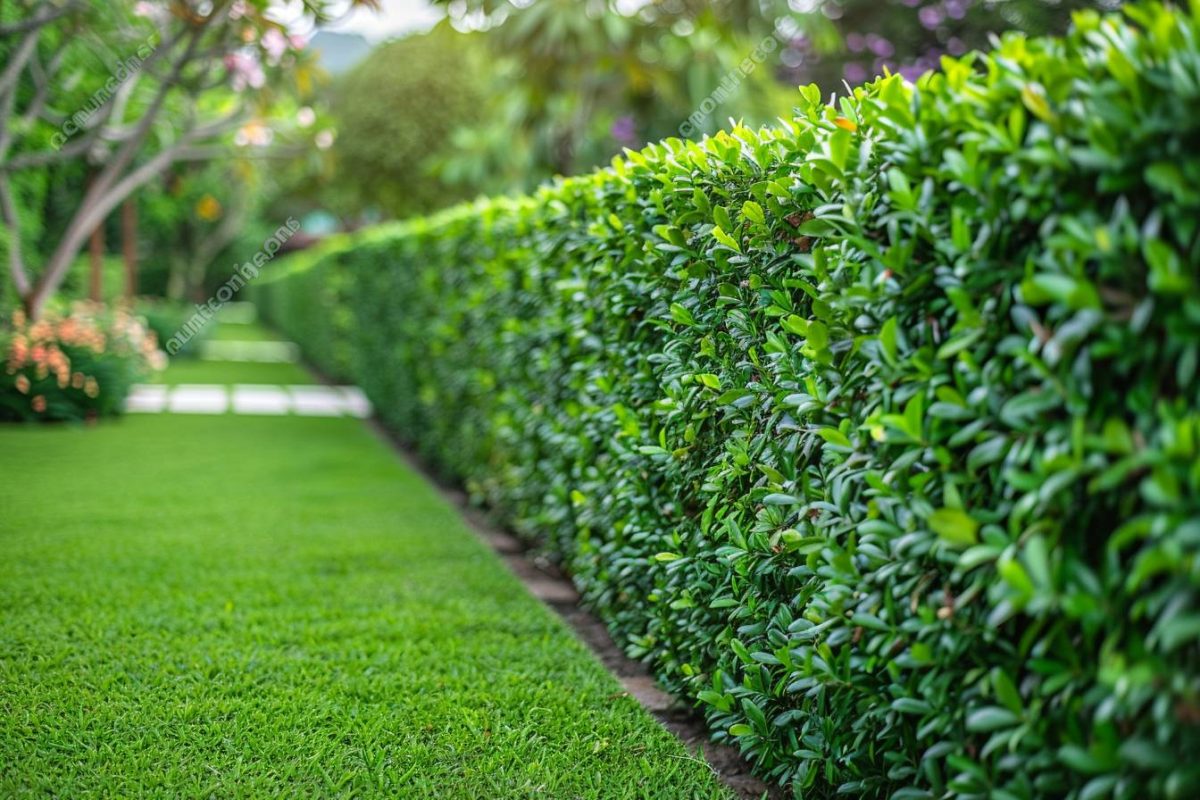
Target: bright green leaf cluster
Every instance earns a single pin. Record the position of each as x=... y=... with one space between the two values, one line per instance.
x=876 y=432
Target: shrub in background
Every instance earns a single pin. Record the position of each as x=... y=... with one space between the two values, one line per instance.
x=75 y=366
x=396 y=112
x=165 y=318
x=315 y=311
x=876 y=433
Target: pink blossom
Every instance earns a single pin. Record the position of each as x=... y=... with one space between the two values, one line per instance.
x=245 y=70
x=324 y=139
x=276 y=44
x=306 y=116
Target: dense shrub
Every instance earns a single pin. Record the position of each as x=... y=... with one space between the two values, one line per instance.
x=165 y=318
x=314 y=310
x=396 y=112
x=876 y=432
x=75 y=366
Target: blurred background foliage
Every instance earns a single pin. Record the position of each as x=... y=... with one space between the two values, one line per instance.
x=499 y=96
x=540 y=88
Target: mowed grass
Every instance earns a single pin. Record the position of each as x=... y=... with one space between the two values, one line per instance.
x=224 y=330
x=275 y=606
x=194 y=370
x=191 y=369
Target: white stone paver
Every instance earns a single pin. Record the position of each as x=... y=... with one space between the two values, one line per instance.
x=317 y=401
x=146 y=399
x=198 y=398
x=356 y=401
x=260 y=399
x=260 y=352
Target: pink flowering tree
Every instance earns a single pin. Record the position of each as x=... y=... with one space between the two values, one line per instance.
x=179 y=80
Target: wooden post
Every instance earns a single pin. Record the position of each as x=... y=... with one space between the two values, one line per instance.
x=129 y=246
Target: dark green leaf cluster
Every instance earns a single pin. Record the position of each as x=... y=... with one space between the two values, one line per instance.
x=875 y=432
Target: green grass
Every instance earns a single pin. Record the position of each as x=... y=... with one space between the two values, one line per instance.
x=260 y=607
x=195 y=370
x=191 y=370
x=242 y=332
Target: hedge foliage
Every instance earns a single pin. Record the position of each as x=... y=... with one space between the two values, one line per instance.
x=876 y=432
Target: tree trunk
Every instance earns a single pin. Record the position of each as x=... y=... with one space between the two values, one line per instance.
x=96 y=252
x=129 y=246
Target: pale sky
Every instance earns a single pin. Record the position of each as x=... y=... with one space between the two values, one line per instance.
x=395 y=17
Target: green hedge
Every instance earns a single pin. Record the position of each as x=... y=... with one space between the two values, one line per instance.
x=875 y=432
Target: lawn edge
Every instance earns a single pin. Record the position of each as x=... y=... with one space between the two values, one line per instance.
x=553 y=588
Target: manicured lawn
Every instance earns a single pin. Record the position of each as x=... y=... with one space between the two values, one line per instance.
x=265 y=606
x=242 y=332
x=194 y=370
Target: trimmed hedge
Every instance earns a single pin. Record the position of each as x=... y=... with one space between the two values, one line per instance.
x=876 y=432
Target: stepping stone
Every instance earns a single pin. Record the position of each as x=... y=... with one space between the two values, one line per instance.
x=357 y=404
x=198 y=398
x=552 y=591
x=256 y=399
x=317 y=401
x=146 y=399
x=256 y=352
x=646 y=691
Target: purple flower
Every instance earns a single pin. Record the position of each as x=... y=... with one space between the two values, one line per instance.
x=956 y=46
x=855 y=42
x=957 y=9
x=880 y=46
x=930 y=17
x=624 y=130
x=854 y=72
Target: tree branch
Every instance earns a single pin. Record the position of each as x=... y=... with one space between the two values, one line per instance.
x=16 y=265
x=96 y=206
x=17 y=61
x=129 y=148
x=36 y=22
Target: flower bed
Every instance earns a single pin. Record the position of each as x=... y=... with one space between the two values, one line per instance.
x=75 y=366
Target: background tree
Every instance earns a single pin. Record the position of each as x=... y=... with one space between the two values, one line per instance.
x=576 y=81
x=123 y=114
x=854 y=40
x=396 y=114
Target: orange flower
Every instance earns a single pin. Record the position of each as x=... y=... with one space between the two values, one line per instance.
x=22 y=384
x=91 y=387
x=42 y=329
x=39 y=404
x=77 y=380
x=208 y=208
